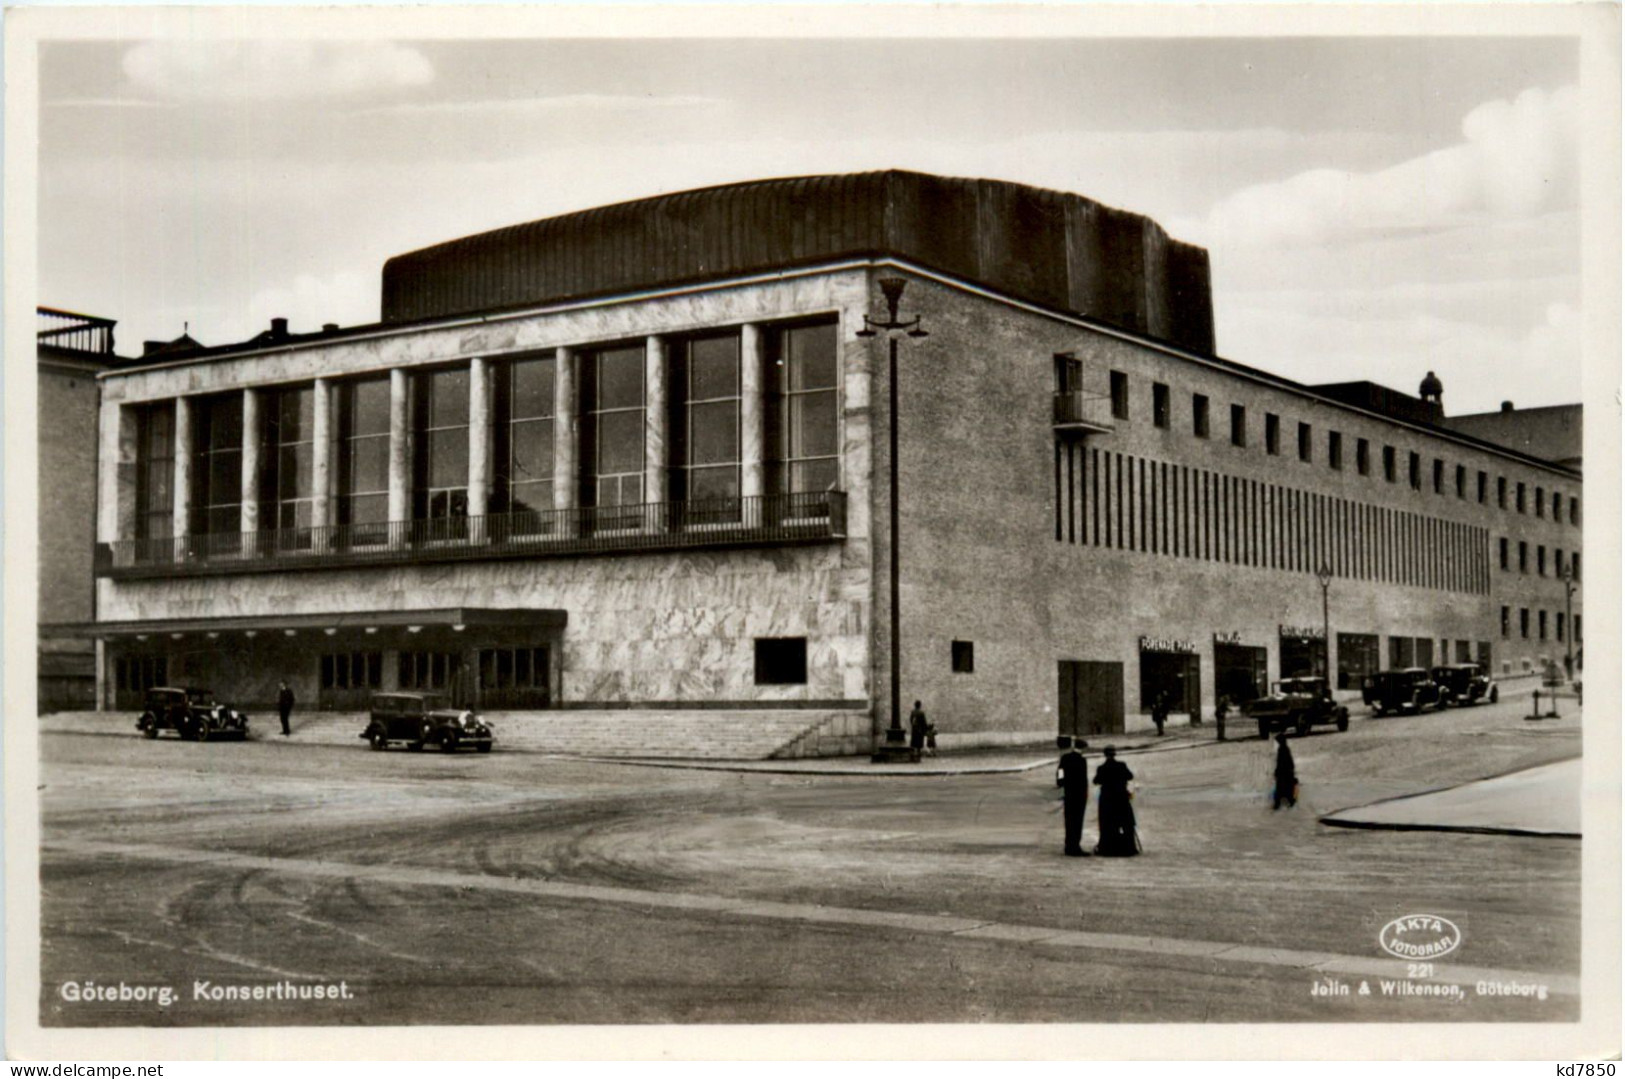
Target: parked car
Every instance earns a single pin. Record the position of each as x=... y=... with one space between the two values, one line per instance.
x=1296 y=704
x=422 y=719
x=191 y=713
x=1465 y=683
x=1407 y=689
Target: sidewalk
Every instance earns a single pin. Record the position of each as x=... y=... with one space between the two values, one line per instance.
x=336 y=729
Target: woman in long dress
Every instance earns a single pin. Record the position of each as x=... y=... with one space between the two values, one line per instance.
x=1118 y=839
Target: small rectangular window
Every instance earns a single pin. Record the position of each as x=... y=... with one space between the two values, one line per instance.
x=1159 y=405
x=1574 y=563
x=1119 y=395
x=1483 y=486
x=1506 y=558
x=1461 y=481
x=1560 y=625
x=1506 y=621
x=781 y=661
x=1523 y=556
x=1523 y=622
x=1542 y=624
x=1272 y=434
x=1416 y=471
x=1362 y=456
x=1334 y=449
x=1557 y=561
x=1574 y=514
x=964 y=657
x=1540 y=502
x=1390 y=465
x=1306 y=451
x=1540 y=560
x=1238 y=425
x=1438 y=476
x=1199 y=417
x=1523 y=505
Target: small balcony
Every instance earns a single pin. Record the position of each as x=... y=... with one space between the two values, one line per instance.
x=766 y=520
x=1079 y=414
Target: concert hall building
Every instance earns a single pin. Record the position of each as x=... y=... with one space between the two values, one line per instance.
x=635 y=460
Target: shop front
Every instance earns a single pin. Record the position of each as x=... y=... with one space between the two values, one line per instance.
x=1170 y=668
x=1358 y=655
x=1240 y=671
x=1303 y=652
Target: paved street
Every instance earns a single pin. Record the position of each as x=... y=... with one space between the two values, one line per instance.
x=517 y=888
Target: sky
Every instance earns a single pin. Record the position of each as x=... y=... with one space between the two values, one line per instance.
x=1373 y=208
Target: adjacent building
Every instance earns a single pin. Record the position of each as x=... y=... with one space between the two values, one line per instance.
x=637 y=458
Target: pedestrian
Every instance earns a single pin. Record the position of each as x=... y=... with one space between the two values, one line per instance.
x=1220 y=710
x=1072 y=776
x=1159 y=711
x=284 y=706
x=918 y=726
x=1118 y=836
x=1286 y=774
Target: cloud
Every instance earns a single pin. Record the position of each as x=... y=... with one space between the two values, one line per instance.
x=272 y=70
x=1519 y=158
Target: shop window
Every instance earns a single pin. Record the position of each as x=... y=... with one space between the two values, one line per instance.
x=1362 y=456
x=1334 y=449
x=352 y=670
x=964 y=657
x=781 y=661
x=1401 y=653
x=1357 y=656
x=514 y=677
x=802 y=433
x=1238 y=425
x=1272 y=434
x=1119 y=389
x=1306 y=449
x=1199 y=415
x=137 y=674
x=1159 y=405
x=428 y=670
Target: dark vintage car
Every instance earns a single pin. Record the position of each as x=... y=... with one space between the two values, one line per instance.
x=1409 y=689
x=423 y=719
x=1296 y=704
x=1465 y=683
x=191 y=713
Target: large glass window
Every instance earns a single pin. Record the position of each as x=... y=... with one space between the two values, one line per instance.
x=705 y=418
x=802 y=424
x=286 y=469
x=217 y=480
x=613 y=392
x=524 y=436
x=361 y=457
x=514 y=677
x=440 y=487
x=155 y=471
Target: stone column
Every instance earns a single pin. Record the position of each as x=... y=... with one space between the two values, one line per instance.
x=181 y=525
x=104 y=687
x=479 y=447
x=566 y=433
x=654 y=423
x=400 y=449
x=752 y=409
x=252 y=424
x=321 y=465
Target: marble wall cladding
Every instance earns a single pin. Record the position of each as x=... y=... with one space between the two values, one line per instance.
x=677 y=627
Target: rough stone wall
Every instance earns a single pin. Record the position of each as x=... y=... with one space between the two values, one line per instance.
x=67 y=504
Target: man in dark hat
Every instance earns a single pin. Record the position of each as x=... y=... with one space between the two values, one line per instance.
x=1286 y=774
x=1118 y=837
x=1072 y=776
x=284 y=706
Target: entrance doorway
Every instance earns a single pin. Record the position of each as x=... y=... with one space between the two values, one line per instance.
x=1089 y=698
x=1178 y=674
x=1240 y=672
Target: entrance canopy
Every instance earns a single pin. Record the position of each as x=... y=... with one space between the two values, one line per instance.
x=455 y=618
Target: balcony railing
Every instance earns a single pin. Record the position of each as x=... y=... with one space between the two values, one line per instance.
x=82 y=333
x=1081 y=414
x=808 y=517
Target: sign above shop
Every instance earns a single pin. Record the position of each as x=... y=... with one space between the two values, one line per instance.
x=1227 y=638
x=1313 y=633
x=1165 y=644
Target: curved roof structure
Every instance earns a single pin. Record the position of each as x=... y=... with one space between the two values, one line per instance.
x=1062 y=251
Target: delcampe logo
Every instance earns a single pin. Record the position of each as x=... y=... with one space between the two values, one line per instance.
x=1419 y=936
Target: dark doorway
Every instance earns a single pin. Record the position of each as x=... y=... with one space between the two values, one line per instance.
x=1178 y=674
x=1090 y=698
x=1240 y=672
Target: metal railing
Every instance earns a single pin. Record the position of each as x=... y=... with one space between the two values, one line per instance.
x=1080 y=411
x=82 y=333
x=654 y=526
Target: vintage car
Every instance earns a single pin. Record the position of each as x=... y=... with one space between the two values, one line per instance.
x=422 y=719
x=1408 y=689
x=191 y=713
x=1465 y=683
x=1296 y=704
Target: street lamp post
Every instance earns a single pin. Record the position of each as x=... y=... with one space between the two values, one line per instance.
x=1324 y=576
x=896 y=747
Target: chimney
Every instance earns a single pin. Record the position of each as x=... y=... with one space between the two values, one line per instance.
x=1506 y=406
x=330 y=327
x=279 y=327
x=149 y=347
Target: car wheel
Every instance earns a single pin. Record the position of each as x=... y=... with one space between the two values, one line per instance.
x=377 y=740
x=448 y=744
x=149 y=727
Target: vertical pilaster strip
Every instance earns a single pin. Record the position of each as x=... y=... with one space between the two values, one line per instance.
x=654 y=419
x=181 y=523
x=479 y=446
x=321 y=462
x=400 y=448
x=252 y=438
x=751 y=409
x=565 y=432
